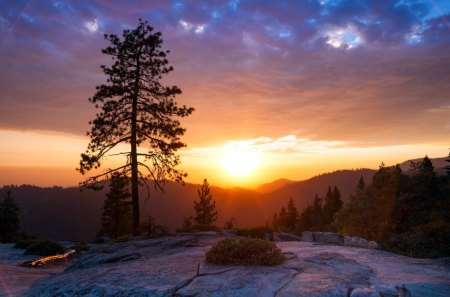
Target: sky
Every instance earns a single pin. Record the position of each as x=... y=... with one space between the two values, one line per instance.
x=299 y=87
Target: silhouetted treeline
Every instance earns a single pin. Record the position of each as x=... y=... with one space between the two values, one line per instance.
x=9 y=218
x=317 y=216
x=408 y=214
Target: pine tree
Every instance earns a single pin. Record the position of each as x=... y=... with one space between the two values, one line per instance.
x=116 y=218
x=333 y=203
x=275 y=221
x=9 y=218
x=317 y=215
x=361 y=184
x=291 y=215
x=305 y=222
x=447 y=168
x=205 y=208
x=136 y=109
x=282 y=219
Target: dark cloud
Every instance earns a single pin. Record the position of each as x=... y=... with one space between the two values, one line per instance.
x=359 y=71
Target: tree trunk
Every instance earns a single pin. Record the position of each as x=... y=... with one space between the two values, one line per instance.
x=134 y=160
x=134 y=170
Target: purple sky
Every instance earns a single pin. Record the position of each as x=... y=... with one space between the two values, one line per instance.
x=369 y=73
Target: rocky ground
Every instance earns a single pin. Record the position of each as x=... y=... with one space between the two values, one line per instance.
x=174 y=266
x=16 y=280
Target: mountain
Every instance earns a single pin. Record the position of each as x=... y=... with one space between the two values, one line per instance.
x=303 y=192
x=71 y=214
x=438 y=164
x=273 y=186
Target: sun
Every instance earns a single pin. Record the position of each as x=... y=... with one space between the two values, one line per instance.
x=240 y=162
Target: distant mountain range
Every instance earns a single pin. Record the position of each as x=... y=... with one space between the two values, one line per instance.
x=71 y=214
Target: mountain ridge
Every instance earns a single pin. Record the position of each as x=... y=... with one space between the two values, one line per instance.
x=70 y=214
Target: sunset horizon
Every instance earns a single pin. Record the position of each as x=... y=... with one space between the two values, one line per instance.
x=342 y=90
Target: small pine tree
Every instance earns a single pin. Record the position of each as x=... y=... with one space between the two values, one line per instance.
x=291 y=215
x=333 y=203
x=361 y=184
x=9 y=219
x=116 y=218
x=205 y=208
x=275 y=221
x=317 y=214
x=282 y=219
x=447 y=168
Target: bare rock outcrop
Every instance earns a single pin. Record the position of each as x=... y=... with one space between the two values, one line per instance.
x=174 y=266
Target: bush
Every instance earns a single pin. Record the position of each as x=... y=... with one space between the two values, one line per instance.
x=256 y=232
x=123 y=238
x=200 y=228
x=427 y=241
x=81 y=246
x=24 y=243
x=45 y=248
x=249 y=251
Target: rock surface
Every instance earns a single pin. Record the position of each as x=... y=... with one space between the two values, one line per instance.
x=174 y=266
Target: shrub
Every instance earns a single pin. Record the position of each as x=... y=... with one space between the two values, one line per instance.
x=249 y=251
x=24 y=243
x=123 y=238
x=45 y=248
x=81 y=246
x=256 y=232
x=200 y=228
x=427 y=241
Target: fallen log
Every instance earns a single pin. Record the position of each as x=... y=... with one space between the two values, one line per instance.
x=47 y=260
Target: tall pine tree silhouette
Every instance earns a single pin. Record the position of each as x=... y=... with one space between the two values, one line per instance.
x=9 y=219
x=138 y=110
x=205 y=207
x=116 y=218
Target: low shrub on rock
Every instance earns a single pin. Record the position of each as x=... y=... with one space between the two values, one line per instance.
x=24 y=243
x=200 y=228
x=249 y=251
x=81 y=246
x=45 y=248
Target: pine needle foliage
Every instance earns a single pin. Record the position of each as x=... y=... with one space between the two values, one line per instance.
x=205 y=207
x=116 y=217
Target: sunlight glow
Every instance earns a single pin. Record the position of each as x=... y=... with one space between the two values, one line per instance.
x=239 y=161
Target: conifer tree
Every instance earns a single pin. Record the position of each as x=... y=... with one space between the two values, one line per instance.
x=361 y=184
x=317 y=214
x=333 y=203
x=282 y=219
x=136 y=109
x=205 y=208
x=275 y=221
x=9 y=218
x=291 y=215
x=116 y=218
x=447 y=168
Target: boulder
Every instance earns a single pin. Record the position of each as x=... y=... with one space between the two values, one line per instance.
x=373 y=245
x=318 y=236
x=307 y=236
x=333 y=238
x=364 y=292
x=279 y=236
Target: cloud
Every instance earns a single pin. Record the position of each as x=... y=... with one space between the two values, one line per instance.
x=92 y=26
x=254 y=67
x=289 y=144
